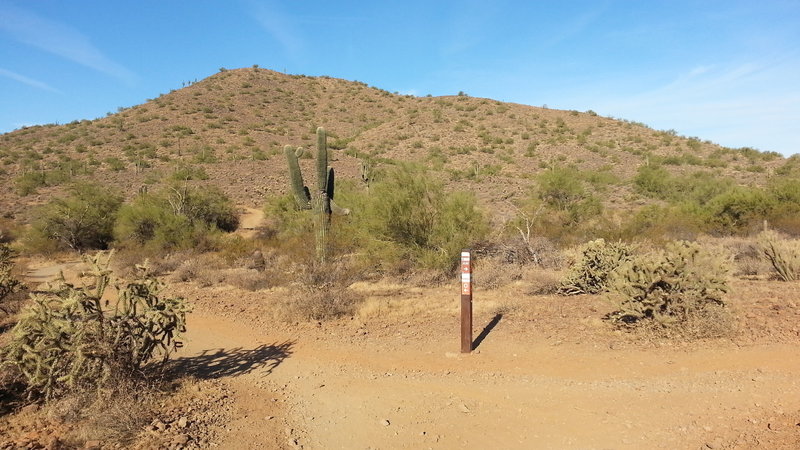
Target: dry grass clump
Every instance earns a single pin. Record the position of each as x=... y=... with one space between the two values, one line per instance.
x=747 y=256
x=308 y=303
x=321 y=291
x=782 y=253
x=205 y=269
x=495 y=271
x=711 y=322
x=114 y=415
x=247 y=279
x=538 y=250
x=542 y=282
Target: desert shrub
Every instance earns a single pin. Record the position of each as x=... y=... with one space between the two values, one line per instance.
x=405 y=221
x=70 y=338
x=176 y=218
x=8 y=282
x=591 y=274
x=560 y=187
x=748 y=258
x=785 y=194
x=83 y=220
x=737 y=210
x=783 y=254
x=285 y=219
x=184 y=172
x=669 y=286
x=496 y=271
x=699 y=187
x=205 y=269
x=28 y=183
x=413 y=217
x=208 y=206
x=321 y=291
x=657 y=223
x=248 y=279
x=652 y=181
x=314 y=303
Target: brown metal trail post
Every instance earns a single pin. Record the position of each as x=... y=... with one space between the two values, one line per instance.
x=466 y=302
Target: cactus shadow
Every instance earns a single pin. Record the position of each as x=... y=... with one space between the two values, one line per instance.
x=486 y=330
x=221 y=363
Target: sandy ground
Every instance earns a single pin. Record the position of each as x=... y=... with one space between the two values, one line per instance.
x=547 y=372
x=393 y=392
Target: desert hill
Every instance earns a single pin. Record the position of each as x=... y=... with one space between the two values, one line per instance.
x=234 y=124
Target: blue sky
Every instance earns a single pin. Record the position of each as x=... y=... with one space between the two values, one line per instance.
x=728 y=71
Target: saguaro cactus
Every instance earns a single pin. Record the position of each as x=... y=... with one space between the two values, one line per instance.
x=322 y=201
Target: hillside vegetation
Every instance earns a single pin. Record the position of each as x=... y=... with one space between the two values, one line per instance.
x=596 y=240
x=228 y=130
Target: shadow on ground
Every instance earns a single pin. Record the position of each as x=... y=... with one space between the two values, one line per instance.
x=486 y=330
x=220 y=363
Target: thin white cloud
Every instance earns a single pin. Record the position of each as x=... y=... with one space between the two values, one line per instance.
x=29 y=81
x=753 y=104
x=573 y=28
x=469 y=24
x=280 y=27
x=60 y=40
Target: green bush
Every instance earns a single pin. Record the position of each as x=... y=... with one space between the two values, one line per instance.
x=653 y=181
x=599 y=259
x=404 y=221
x=28 y=183
x=669 y=286
x=185 y=172
x=177 y=217
x=738 y=210
x=560 y=187
x=82 y=220
x=69 y=338
x=410 y=211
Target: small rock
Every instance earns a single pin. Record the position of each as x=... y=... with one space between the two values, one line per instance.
x=385 y=422
x=181 y=439
x=158 y=425
x=92 y=445
x=53 y=444
x=182 y=422
x=464 y=408
x=30 y=409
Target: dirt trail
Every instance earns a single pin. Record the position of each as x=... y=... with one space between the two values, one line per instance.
x=45 y=272
x=378 y=393
x=249 y=221
x=392 y=378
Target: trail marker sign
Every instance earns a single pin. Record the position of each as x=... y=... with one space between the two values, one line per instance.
x=466 y=302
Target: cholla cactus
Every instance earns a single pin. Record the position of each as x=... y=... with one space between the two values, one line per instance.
x=70 y=338
x=669 y=285
x=783 y=254
x=8 y=283
x=598 y=260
